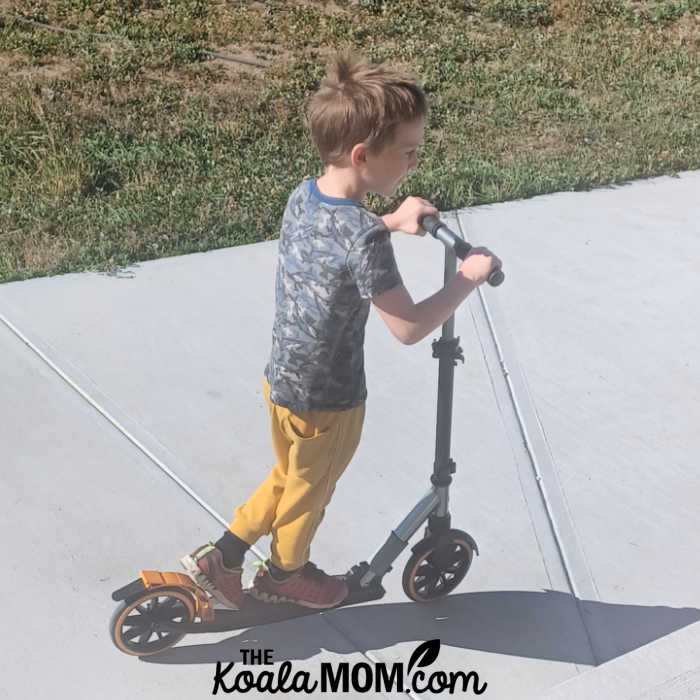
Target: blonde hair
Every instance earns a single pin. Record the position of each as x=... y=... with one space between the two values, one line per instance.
x=360 y=103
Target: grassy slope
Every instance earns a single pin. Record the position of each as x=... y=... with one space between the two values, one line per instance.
x=130 y=148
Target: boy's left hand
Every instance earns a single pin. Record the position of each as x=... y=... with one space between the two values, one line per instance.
x=409 y=213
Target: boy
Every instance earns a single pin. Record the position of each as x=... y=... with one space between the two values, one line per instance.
x=334 y=257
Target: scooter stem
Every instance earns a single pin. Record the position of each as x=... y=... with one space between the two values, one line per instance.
x=434 y=505
x=447 y=351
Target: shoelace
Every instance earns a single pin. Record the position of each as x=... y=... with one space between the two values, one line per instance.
x=259 y=565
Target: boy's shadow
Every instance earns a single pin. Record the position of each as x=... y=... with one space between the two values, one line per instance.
x=541 y=625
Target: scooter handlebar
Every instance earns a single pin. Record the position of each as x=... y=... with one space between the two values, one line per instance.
x=439 y=230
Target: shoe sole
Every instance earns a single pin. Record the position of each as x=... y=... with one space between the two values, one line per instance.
x=273 y=598
x=202 y=580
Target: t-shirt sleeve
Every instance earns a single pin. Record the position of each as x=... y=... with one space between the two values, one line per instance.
x=372 y=264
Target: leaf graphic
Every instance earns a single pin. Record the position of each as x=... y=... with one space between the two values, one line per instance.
x=428 y=650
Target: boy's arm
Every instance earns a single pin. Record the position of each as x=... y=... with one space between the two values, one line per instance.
x=411 y=322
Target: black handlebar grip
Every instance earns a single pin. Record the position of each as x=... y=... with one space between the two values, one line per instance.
x=439 y=230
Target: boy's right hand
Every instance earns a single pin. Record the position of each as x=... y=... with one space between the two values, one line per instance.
x=478 y=265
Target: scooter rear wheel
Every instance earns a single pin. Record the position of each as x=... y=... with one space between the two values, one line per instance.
x=134 y=624
x=437 y=566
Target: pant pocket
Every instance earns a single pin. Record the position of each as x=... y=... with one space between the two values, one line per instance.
x=307 y=426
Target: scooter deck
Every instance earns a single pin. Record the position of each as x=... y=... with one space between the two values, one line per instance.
x=253 y=612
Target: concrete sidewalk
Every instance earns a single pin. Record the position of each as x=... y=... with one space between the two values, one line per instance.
x=133 y=423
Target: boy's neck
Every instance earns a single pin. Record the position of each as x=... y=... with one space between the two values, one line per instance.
x=341 y=182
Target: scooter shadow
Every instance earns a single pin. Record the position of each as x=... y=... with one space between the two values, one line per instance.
x=540 y=625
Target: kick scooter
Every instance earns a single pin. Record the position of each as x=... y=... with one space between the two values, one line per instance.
x=158 y=609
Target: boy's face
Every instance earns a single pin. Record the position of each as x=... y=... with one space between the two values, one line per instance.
x=384 y=171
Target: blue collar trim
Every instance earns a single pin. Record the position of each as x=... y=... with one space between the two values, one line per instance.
x=331 y=200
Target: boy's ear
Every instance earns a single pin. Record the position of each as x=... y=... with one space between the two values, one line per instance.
x=358 y=154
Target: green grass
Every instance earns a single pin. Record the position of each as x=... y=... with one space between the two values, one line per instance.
x=141 y=146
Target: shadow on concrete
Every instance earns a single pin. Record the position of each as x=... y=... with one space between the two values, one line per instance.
x=542 y=625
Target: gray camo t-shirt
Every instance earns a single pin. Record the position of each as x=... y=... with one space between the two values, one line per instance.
x=334 y=256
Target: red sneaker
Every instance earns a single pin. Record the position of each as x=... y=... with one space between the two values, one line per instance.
x=205 y=567
x=309 y=587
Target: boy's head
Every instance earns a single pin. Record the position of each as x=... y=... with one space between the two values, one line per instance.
x=367 y=117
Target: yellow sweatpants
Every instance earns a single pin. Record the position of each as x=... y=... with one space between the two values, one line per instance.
x=312 y=448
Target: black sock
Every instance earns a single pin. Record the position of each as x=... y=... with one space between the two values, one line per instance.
x=233 y=548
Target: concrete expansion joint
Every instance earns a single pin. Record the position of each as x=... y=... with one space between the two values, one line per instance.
x=562 y=555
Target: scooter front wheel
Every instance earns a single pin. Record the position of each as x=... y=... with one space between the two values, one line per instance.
x=135 y=625
x=438 y=565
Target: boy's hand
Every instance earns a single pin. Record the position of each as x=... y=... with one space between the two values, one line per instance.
x=479 y=264
x=407 y=216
